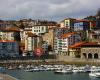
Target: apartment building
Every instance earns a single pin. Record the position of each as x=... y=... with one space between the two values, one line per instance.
x=9 y=48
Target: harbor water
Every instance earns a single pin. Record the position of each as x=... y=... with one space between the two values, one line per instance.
x=48 y=75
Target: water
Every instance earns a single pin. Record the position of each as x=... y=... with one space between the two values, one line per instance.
x=48 y=75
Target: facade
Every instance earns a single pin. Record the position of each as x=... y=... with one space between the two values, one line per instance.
x=10 y=33
x=8 y=48
x=90 y=51
x=94 y=36
x=32 y=41
x=39 y=29
x=68 y=22
x=80 y=25
x=67 y=40
x=49 y=37
x=75 y=49
x=58 y=32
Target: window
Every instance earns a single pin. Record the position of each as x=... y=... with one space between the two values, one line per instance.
x=42 y=28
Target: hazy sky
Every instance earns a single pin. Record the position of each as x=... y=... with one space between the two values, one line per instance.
x=47 y=9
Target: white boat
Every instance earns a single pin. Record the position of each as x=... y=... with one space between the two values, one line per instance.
x=94 y=72
x=28 y=70
x=75 y=69
x=81 y=69
x=63 y=71
x=87 y=68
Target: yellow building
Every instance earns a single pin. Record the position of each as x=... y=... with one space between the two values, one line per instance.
x=68 y=22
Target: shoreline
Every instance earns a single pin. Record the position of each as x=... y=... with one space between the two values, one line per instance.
x=50 y=61
x=7 y=77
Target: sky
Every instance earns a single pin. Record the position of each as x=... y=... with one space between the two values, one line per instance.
x=47 y=9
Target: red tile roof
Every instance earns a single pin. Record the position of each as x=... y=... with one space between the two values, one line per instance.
x=80 y=44
x=91 y=43
x=76 y=45
x=68 y=34
x=7 y=41
x=12 y=29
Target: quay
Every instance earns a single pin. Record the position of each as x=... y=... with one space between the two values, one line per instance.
x=6 y=77
x=6 y=63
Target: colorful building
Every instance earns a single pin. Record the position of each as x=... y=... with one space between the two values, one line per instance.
x=68 y=22
x=80 y=25
x=67 y=40
x=58 y=32
x=32 y=41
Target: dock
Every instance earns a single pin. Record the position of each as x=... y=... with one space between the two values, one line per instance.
x=6 y=77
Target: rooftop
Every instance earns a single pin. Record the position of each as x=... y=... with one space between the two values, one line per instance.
x=16 y=29
x=30 y=34
x=68 y=34
x=77 y=45
x=84 y=44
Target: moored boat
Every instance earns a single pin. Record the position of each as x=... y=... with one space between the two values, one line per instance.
x=94 y=72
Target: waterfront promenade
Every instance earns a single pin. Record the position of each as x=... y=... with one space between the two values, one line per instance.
x=50 y=61
x=6 y=77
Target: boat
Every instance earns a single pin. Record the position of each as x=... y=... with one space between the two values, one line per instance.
x=63 y=71
x=28 y=70
x=81 y=69
x=75 y=70
x=87 y=68
x=94 y=72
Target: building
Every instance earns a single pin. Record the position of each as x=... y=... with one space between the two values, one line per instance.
x=49 y=37
x=9 y=48
x=39 y=29
x=67 y=40
x=58 y=32
x=94 y=36
x=68 y=22
x=32 y=41
x=90 y=50
x=10 y=33
x=85 y=50
x=80 y=25
x=75 y=50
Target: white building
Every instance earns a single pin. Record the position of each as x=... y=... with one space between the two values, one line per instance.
x=32 y=41
x=65 y=41
x=39 y=29
x=58 y=32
